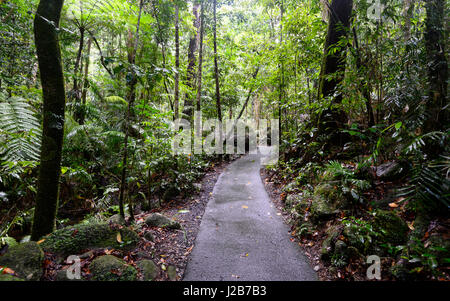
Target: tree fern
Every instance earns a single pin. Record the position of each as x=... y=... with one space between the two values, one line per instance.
x=20 y=131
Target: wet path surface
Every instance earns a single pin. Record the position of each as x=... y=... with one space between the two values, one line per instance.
x=241 y=236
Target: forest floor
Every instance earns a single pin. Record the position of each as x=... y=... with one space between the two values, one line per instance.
x=169 y=247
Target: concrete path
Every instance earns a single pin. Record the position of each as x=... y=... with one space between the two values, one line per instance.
x=241 y=236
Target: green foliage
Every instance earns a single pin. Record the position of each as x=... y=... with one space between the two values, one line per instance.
x=20 y=131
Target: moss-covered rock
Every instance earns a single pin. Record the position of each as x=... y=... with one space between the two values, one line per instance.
x=111 y=268
x=392 y=228
x=117 y=219
x=161 y=221
x=25 y=259
x=328 y=244
x=322 y=209
x=148 y=269
x=61 y=275
x=6 y=277
x=75 y=239
x=329 y=192
x=172 y=272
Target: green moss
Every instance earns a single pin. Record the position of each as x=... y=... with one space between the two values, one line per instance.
x=159 y=220
x=322 y=210
x=392 y=228
x=7 y=277
x=148 y=269
x=110 y=268
x=25 y=259
x=10 y=241
x=75 y=239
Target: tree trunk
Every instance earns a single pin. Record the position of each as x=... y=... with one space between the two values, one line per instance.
x=52 y=79
x=190 y=78
x=131 y=98
x=334 y=63
x=408 y=9
x=364 y=86
x=281 y=87
x=437 y=66
x=200 y=58
x=85 y=82
x=216 y=67
x=177 y=64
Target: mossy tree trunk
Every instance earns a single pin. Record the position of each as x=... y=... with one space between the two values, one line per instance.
x=333 y=65
x=437 y=66
x=177 y=63
x=131 y=97
x=46 y=24
x=216 y=66
x=190 y=78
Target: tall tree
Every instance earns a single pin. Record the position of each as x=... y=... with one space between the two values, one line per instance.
x=334 y=61
x=131 y=97
x=437 y=105
x=177 y=63
x=200 y=57
x=216 y=67
x=46 y=27
x=193 y=47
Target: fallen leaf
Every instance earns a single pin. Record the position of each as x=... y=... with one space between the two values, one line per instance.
x=393 y=205
x=41 y=241
x=245 y=206
x=119 y=238
x=5 y=270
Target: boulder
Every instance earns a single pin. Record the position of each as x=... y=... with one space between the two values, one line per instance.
x=25 y=259
x=389 y=171
x=111 y=268
x=293 y=199
x=61 y=275
x=149 y=236
x=322 y=210
x=172 y=272
x=148 y=269
x=328 y=244
x=161 y=221
x=75 y=239
x=116 y=219
x=392 y=228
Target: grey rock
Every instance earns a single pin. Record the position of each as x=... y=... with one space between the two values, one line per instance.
x=389 y=171
x=149 y=236
x=161 y=221
x=25 y=259
x=148 y=269
x=172 y=272
x=111 y=268
x=117 y=219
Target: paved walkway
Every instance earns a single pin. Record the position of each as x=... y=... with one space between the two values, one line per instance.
x=241 y=236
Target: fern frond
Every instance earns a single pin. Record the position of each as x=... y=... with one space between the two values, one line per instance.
x=20 y=131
